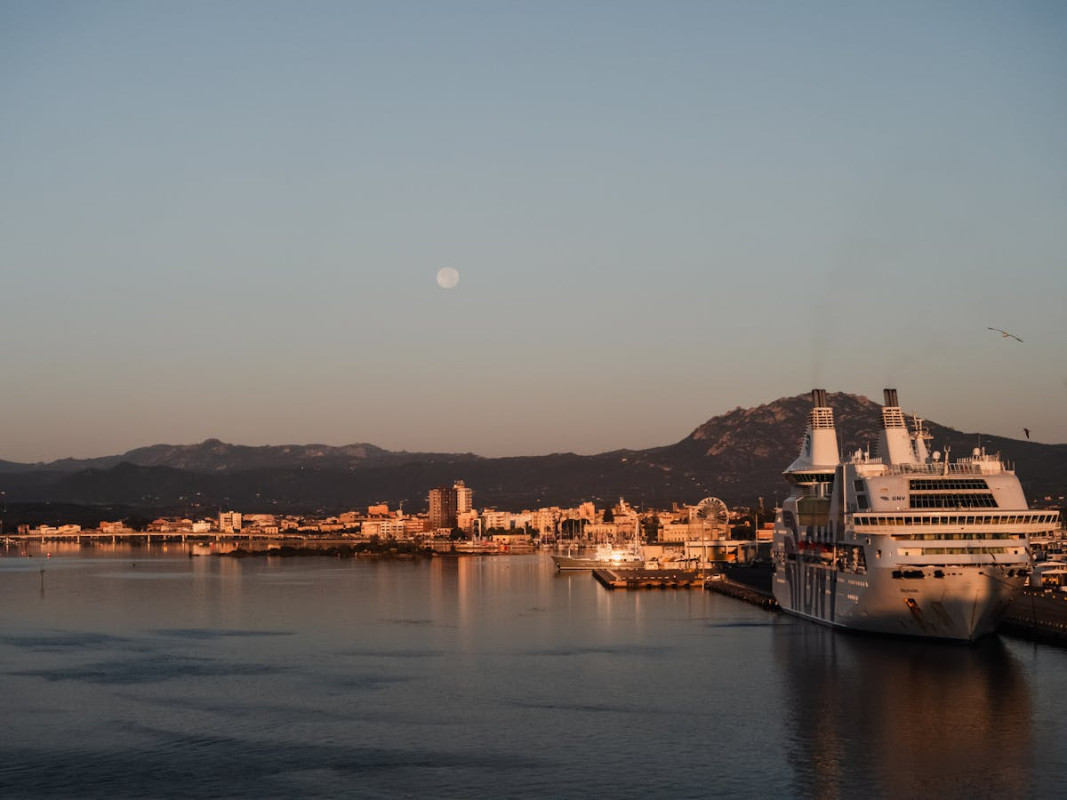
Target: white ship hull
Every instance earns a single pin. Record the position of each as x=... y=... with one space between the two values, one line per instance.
x=964 y=604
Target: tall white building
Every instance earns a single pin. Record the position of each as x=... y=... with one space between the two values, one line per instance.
x=464 y=497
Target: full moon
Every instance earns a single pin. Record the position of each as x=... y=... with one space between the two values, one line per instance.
x=447 y=277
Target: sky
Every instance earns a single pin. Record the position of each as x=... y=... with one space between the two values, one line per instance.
x=225 y=219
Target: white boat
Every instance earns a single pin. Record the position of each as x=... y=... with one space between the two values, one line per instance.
x=606 y=556
x=905 y=543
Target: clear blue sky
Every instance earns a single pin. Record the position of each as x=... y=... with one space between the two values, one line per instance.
x=224 y=219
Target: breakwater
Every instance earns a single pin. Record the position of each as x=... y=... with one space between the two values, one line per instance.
x=742 y=592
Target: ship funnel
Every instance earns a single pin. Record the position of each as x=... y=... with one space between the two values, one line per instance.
x=894 y=442
x=819 y=449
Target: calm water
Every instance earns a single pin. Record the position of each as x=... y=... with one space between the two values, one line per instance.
x=142 y=673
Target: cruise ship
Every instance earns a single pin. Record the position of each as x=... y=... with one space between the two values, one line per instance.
x=906 y=542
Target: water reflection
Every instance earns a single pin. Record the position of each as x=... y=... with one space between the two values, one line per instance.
x=896 y=718
x=452 y=667
x=95 y=548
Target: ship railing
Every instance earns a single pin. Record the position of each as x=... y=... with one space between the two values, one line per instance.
x=933 y=468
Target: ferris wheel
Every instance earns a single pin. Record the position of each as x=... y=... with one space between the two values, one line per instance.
x=711 y=514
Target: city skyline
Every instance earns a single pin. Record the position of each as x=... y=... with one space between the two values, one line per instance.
x=227 y=221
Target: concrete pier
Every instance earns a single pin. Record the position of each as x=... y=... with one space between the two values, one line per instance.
x=1037 y=614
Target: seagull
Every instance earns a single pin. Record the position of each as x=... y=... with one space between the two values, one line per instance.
x=1027 y=432
x=1005 y=334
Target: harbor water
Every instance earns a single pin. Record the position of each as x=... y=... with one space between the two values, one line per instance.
x=145 y=672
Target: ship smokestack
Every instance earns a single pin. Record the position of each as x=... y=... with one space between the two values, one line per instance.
x=894 y=442
x=819 y=449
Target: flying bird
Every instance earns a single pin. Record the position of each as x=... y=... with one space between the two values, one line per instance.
x=1005 y=334
x=1027 y=432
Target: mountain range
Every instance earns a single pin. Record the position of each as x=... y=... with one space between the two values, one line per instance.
x=737 y=456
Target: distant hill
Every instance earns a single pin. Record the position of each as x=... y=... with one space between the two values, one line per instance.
x=738 y=456
x=213 y=455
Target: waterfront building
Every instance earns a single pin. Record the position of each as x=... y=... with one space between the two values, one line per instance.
x=170 y=525
x=602 y=531
x=391 y=528
x=442 y=507
x=447 y=502
x=415 y=527
x=545 y=520
x=496 y=520
x=674 y=531
x=467 y=520
x=350 y=519
x=464 y=497
x=230 y=521
x=515 y=541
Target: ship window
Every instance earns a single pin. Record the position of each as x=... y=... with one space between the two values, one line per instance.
x=946 y=484
x=813 y=510
x=922 y=500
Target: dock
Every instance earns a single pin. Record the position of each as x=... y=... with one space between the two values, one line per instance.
x=740 y=591
x=682 y=579
x=1038 y=615
x=649 y=578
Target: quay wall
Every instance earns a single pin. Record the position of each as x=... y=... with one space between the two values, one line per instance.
x=1037 y=614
